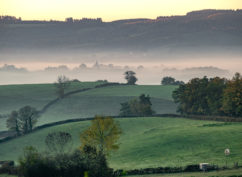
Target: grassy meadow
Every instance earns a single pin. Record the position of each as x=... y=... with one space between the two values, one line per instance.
x=152 y=142
x=37 y=95
x=104 y=101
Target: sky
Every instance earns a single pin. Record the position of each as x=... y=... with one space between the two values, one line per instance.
x=108 y=10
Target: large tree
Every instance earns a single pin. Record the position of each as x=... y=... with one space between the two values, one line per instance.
x=232 y=97
x=61 y=85
x=13 y=122
x=215 y=91
x=28 y=117
x=192 y=97
x=23 y=120
x=103 y=134
x=130 y=77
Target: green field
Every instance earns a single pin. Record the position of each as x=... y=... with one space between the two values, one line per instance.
x=14 y=97
x=152 y=142
x=4 y=175
x=155 y=91
x=104 y=101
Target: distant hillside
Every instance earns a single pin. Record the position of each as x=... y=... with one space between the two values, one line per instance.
x=101 y=101
x=199 y=28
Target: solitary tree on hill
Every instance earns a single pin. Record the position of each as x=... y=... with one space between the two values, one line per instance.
x=23 y=120
x=28 y=118
x=130 y=77
x=170 y=81
x=62 y=84
x=103 y=135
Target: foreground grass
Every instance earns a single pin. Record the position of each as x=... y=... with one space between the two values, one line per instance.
x=224 y=173
x=152 y=142
x=5 y=175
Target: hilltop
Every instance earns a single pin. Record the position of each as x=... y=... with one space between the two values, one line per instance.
x=217 y=28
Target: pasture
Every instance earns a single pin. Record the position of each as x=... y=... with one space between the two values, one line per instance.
x=102 y=101
x=152 y=142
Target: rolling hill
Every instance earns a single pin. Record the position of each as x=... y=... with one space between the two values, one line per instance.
x=198 y=28
x=104 y=101
x=152 y=142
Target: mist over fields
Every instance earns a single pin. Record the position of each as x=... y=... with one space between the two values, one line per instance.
x=207 y=42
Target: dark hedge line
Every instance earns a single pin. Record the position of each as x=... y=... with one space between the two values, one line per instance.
x=9 y=169
x=214 y=118
x=109 y=84
x=161 y=170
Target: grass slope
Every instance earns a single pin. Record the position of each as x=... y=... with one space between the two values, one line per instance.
x=105 y=101
x=152 y=142
x=5 y=175
x=13 y=97
x=155 y=91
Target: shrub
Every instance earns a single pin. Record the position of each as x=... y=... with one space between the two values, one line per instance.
x=76 y=164
x=192 y=168
x=137 y=107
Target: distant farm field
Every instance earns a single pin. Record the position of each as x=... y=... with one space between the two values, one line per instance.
x=13 y=97
x=152 y=142
x=104 y=101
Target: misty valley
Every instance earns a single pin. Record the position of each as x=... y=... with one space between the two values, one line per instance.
x=135 y=97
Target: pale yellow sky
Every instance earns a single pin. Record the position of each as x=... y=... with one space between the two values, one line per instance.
x=108 y=9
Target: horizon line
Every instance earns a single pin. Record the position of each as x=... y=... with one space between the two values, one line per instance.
x=143 y=18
